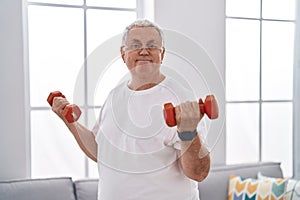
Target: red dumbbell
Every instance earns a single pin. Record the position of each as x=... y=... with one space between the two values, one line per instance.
x=71 y=112
x=209 y=107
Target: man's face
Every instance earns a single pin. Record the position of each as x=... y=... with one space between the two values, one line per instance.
x=143 y=47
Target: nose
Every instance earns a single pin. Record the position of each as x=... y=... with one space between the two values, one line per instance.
x=144 y=51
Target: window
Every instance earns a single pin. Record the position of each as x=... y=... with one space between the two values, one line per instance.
x=62 y=34
x=259 y=81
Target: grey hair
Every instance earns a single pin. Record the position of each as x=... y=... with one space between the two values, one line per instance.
x=142 y=23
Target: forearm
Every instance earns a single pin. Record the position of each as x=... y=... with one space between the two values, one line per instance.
x=85 y=139
x=195 y=159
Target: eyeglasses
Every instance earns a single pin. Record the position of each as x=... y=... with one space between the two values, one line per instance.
x=138 y=47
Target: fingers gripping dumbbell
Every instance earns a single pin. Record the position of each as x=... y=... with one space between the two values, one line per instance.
x=71 y=112
x=209 y=107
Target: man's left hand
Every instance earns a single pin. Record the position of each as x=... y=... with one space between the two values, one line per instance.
x=188 y=116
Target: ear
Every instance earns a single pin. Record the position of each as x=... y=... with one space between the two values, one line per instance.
x=122 y=53
x=162 y=54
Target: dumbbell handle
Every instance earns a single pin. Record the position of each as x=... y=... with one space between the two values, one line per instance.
x=71 y=112
x=209 y=107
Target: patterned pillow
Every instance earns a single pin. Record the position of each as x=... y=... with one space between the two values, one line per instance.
x=254 y=189
x=292 y=188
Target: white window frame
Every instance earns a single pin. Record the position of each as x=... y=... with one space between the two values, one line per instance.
x=296 y=88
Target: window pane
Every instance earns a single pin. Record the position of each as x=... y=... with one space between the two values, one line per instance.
x=112 y=3
x=242 y=133
x=100 y=29
x=278 y=9
x=277 y=60
x=54 y=151
x=242 y=59
x=69 y=2
x=245 y=8
x=277 y=144
x=112 y=76
x=55 y=51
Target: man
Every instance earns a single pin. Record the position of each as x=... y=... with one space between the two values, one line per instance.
x=138 y=156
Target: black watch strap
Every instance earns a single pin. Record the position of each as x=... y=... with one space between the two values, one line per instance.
x=187 y=135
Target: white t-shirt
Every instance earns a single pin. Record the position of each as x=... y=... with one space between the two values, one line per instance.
x=137 y=151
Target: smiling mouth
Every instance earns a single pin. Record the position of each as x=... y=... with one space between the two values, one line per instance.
x=144 y=61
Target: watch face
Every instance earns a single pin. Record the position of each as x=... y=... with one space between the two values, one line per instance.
x=187 y=135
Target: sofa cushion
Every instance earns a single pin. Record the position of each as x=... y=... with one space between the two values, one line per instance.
x=86 y=189
x=292 y=189
x=215 y=186
x=241 y=188
x=37 y=189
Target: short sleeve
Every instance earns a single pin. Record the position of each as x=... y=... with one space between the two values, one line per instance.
x=96 y=127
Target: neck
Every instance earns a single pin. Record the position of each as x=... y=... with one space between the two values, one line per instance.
x=144 y=83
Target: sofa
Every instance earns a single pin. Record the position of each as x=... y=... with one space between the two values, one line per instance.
x=214 y=187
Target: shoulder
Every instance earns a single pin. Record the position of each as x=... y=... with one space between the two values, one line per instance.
x=181 y=90
x=118 y=91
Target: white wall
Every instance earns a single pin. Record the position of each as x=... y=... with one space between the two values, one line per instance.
x=13 y=162
x=204 y=22
x=296 y=113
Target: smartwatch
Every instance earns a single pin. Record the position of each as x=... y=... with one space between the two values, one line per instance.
x=187 y=135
